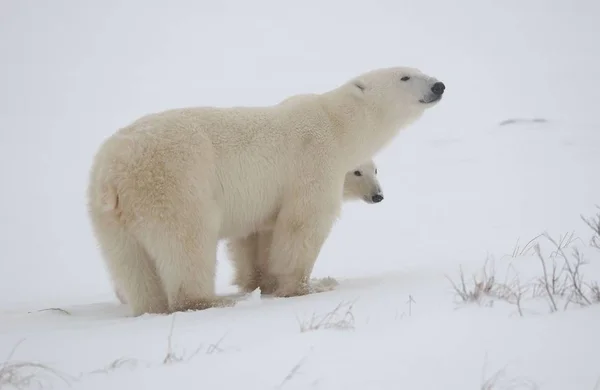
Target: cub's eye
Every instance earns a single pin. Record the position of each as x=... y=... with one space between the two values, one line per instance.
x=375 y=171
x=405 y=78
x=357 y=173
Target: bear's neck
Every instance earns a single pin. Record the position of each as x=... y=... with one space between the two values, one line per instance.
x=361 y=130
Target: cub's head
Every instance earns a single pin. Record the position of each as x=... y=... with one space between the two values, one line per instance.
x=399 y=90
x=362 y=183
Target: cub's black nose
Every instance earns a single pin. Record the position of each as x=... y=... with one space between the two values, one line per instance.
x=377 y=198
x=438 y=88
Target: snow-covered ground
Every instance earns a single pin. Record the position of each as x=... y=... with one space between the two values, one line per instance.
x=463 y=190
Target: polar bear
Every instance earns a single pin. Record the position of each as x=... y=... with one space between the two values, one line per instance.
x=166 y=188
x=250 y=254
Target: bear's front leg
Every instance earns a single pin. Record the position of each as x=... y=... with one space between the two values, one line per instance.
x=267 y=282
x=243 y=254
x=301 y=229
x=250 y=256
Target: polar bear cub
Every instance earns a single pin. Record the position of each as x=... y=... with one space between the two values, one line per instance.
x=166 y=188
x=250 y=254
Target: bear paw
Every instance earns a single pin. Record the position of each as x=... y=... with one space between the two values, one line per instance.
x=203 y=304
x=323 y=285
x=268 y=285
x=288 y=290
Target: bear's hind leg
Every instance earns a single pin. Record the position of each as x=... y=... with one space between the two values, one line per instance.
x=185 y=251
x=133 y=272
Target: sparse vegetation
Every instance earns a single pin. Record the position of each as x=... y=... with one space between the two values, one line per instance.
x=21 y=375
x=172 y=357
x=526 y=249
x=483 y=285
x=560 y=282
x=58 y=309
x=292 y=373
x=338 y=318
x=409 y=304
x=486 y=285
x=513 y=121
x=501 y=381
x=116 y=364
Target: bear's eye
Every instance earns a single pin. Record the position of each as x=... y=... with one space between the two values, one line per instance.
x=405 y=78
x=375 y=171
x=357 y=173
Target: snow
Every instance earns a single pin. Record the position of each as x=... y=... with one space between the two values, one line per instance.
x=461 y=186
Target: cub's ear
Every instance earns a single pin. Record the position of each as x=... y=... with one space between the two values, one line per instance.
x=360 y=85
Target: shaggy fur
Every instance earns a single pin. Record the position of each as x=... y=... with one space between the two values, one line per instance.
x=250 y=255
x=166 y=188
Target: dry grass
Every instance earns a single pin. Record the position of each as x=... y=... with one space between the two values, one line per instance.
x=562 y=277
x=21 y=375
x=513 y=121
x=594 y=224
x=58 y=309
x=18 y=375
x=409 y=303
x=561 y=280
x=172 y=357
x=338 y=318
x=486 y=285
x=500 y=381
x=595 y=292
x=526 y=249
x=482 y=285
x=294 y=371
x=117 y=364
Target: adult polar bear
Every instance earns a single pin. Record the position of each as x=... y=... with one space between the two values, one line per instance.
x=165 y=189
x=250 y=255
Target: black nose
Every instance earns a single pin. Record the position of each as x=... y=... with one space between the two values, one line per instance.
x=438 y=88
x=377 y=198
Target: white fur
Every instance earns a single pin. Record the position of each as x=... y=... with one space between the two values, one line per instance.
x=165 y=189
x=250 y=255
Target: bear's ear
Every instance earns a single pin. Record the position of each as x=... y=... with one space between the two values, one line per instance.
x=360 y=85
